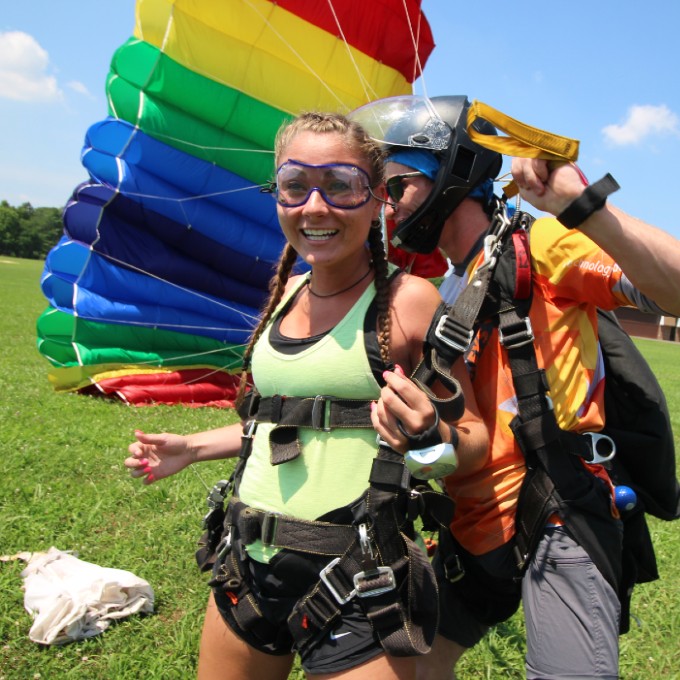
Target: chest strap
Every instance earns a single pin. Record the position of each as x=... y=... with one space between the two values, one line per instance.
x=321 y=413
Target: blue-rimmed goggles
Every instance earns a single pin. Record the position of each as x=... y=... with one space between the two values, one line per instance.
x=340 y=185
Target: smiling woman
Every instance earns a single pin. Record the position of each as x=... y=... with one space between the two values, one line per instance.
x=330 y=351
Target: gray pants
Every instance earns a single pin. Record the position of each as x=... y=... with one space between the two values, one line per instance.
x=571 y=613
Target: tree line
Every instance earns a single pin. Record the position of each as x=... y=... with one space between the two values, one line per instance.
x=29 y=232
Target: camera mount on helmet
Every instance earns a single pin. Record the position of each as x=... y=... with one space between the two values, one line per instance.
x=439 y=125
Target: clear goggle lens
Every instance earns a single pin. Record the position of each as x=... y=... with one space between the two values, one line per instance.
x=340 y=185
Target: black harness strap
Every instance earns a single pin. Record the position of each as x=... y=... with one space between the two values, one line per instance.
x=321 y=413
x=554 y=482
x=380 y=557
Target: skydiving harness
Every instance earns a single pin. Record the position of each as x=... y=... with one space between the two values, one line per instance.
x=370 y=549
x=501 y=290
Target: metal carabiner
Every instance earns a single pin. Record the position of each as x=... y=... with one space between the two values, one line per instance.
x=602 y=446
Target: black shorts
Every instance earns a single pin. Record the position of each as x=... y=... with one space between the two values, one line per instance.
x=488 y=592
x=277 y=587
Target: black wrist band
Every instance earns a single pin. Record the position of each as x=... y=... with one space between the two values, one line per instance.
x=593 y=198
x=430 y=437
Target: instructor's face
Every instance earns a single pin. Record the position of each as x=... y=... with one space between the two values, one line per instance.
x=415 y=190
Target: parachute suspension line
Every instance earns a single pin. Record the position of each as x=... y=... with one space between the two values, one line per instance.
x=170 y=199
x=179 y=140
x=418 y=66
x=370 y=93
x=203 y=376
x=156 y=324
x=200 y=479
x=297 y=54
x=415 y=41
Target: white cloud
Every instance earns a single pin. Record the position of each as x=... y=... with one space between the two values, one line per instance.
x=642 y=121
x=23 y=70
x=79 y=87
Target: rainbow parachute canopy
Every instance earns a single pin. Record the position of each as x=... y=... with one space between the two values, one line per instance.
x=169 y=247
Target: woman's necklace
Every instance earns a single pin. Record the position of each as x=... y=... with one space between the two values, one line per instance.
x=344 y=290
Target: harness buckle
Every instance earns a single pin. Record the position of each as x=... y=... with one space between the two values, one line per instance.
x=373 y=582
x=224 y=545
x=215 y=500
x=321 y=413
x=324 y=573
x=603 y=447
x=268 y=528
x=367 y=556
x=453 y=568
x=249 y=429
x=218 y=494
x=522 y=334
x=453 y=335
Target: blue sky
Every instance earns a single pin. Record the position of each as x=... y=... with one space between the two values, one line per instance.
x=604 y=72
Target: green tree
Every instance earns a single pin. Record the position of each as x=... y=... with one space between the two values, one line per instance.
x=9 y=229
x=28 y=232
x=39 y=232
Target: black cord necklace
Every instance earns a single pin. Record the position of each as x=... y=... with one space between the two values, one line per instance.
x=344 y=290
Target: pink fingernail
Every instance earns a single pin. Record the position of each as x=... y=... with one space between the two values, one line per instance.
x=150 y=478
x=146 y=470
x=143 y=462
x=373 y=406
x=399 y=370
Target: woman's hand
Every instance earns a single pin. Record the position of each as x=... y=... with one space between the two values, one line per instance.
x=401 y=399
x=155 y=456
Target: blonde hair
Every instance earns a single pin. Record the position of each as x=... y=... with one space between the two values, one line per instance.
x=359 y=141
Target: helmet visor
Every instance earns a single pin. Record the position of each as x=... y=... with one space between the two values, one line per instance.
x=409 y=120
x=340 y=185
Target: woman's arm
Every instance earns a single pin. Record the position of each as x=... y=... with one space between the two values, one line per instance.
x=156 y=456
x=414 y=303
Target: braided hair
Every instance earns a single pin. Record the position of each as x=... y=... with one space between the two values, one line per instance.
x=359 y=141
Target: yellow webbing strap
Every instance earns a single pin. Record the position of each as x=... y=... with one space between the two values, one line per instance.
x=523 y=140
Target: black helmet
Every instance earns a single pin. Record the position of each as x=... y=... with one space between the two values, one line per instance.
x=439 y=125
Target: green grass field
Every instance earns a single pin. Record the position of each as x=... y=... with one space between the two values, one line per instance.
x=63 y=484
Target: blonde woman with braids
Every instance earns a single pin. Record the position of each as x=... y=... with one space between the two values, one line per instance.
x=311 y=560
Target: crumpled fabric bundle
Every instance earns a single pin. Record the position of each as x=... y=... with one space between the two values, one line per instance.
x=73 y=600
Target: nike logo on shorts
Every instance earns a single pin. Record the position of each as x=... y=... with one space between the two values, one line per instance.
x=337 y=636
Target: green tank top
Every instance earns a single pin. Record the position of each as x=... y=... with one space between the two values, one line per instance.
x=334 y=467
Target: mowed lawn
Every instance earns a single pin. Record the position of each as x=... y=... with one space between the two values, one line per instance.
x=63 y=484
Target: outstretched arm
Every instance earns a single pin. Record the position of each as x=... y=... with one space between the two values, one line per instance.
x=155 y=456
x=648 y=256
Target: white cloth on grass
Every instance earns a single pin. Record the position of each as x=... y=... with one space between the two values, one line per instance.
x=73 y=600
